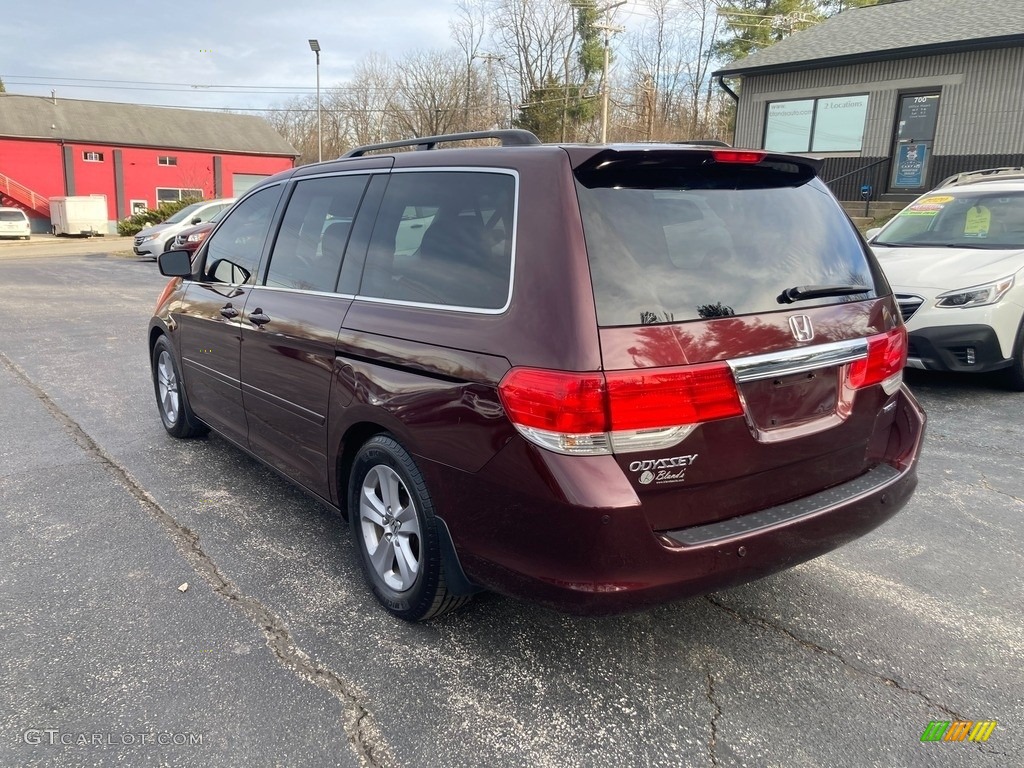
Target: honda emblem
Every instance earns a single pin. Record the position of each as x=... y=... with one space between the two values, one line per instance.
x=801 y=327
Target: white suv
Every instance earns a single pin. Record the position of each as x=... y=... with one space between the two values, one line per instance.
x=955 y=259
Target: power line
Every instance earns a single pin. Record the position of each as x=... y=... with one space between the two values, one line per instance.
x=131 y=85
x=145 y=82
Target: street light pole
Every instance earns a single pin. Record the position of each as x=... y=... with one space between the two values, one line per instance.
x=314 y=45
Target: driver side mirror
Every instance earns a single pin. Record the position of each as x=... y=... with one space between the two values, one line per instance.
x=197 y=220
x=175 y=264
x=870 y=234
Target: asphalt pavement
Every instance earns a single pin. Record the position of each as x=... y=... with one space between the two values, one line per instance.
x=277 y=655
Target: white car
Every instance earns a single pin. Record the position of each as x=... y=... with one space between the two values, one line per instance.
x=955 y=259
x=14 y=223
x=154 y=240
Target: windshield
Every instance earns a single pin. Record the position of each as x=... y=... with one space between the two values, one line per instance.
x=184 y=213
x=959 y=220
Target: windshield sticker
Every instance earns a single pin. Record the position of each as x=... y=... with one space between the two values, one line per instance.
x=923 y=209
x=978 y=220
x=671 y=470
x=939 y=199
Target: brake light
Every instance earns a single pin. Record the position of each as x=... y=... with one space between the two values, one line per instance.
x=554 y=400
x=887 y=354
x=671 y=396
x=738 y=155
x=621 y=411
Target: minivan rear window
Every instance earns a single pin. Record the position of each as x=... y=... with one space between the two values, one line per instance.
x=673 y=244
x=12 y=216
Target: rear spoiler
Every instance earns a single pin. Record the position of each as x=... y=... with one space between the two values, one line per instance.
x=701 y=166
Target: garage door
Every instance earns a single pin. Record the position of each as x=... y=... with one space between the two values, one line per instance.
x=243 y=182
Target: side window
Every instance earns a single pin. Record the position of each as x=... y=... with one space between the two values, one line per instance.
x=233 y=251
x=443 y=237
x=309 y=248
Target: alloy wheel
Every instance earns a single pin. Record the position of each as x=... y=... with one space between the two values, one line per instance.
x=390 y=528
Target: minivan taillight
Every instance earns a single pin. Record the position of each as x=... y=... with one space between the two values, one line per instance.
x=887 y=354
x=618 y=411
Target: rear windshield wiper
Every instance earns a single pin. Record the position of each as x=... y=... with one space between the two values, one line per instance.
x=801 y=292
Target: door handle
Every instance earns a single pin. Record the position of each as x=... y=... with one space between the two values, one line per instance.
x=228 y=311
x=258 y=318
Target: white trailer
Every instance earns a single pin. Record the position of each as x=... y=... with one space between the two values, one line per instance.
x=79 y=215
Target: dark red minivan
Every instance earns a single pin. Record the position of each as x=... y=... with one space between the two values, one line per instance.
x=597 y=377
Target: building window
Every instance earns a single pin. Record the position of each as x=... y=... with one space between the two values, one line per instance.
x=170 y=195
x=92 y=157
x=834 y=124
x=166 y=160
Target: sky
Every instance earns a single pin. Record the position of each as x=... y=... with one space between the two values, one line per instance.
x=176 y=52
x=253 y=46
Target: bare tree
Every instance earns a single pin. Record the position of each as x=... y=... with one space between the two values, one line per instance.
x=532 y=63
x=668 y=94
x=467 y=29
x=707 y=27
x=430 y=88
x=296 y=122
x=366 y=107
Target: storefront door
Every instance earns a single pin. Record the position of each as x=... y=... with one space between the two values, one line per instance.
x=912 y=144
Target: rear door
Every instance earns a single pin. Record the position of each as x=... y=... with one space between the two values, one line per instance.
x=746 y=283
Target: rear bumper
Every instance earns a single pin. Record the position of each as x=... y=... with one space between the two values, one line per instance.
x=603 y=560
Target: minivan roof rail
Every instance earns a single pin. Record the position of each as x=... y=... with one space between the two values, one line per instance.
x=985 y=174
x=514 y=137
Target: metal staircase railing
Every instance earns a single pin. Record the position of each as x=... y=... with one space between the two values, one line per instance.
x=22 y=194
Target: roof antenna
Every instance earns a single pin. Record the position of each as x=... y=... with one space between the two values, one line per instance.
x=53 y=95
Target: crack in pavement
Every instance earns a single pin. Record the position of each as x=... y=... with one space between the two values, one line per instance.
x=988 y=487
x=713 y=740
x=365 y=738
x=755 y=621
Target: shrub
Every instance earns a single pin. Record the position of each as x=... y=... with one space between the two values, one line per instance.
x=135 y=224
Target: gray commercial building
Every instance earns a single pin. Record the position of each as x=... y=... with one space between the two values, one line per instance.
x=894 y=97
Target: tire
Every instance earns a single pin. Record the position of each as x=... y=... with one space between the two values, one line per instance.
x=1015 y=373
x=175 y=413
x=393 y=527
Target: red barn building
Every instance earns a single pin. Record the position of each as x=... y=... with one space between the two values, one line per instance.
x=137 y=156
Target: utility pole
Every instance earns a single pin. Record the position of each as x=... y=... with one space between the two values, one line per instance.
x=492 y=86
x=607 y=28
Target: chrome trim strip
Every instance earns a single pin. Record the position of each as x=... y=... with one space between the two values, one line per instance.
x=280 y=402
x=212 y=373
x=279 y=289
x=447 y=307
x=336 y=172
x=798 y=360
x=916 y=362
